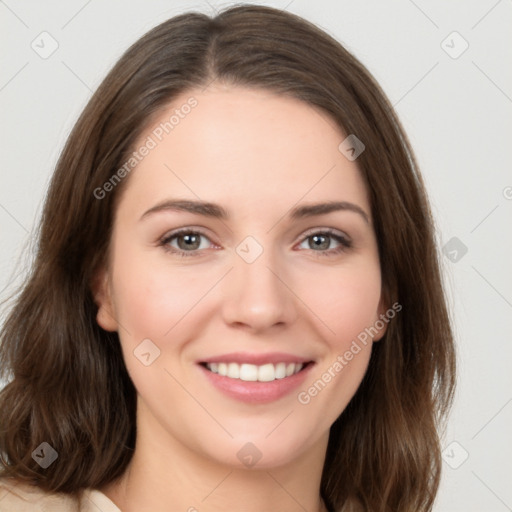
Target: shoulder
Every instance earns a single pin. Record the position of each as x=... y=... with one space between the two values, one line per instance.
x=16 y=496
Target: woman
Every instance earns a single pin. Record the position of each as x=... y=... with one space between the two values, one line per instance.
x=236 y=302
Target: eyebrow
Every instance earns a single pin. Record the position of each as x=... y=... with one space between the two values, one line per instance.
x=216 y=211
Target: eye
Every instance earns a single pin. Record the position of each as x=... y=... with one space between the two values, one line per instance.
x=321 y=242
x=185 y=242
x=190 y=242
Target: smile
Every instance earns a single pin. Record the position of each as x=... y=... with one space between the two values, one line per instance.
x=252 y=373
x=256 y=378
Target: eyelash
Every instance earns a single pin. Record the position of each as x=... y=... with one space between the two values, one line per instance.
x=344 y=242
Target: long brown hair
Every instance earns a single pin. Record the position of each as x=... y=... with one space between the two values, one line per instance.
x=67 y=382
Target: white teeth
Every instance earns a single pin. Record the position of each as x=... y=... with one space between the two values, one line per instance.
x=248 y=372
x=252 y=373
x=290 y=368
x=233 y=371
x=280 y=370
x=266 y=373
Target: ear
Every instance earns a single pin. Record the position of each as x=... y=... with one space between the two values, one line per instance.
x=102 y=294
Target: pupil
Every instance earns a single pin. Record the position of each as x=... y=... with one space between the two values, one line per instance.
x=190 y=242
x=319 y=243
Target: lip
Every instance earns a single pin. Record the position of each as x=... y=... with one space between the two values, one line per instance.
x=257 y=359
x=255 y=392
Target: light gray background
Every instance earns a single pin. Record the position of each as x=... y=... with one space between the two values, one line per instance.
x=457 y=112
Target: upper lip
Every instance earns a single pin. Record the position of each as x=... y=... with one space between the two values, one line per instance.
x=256 y=359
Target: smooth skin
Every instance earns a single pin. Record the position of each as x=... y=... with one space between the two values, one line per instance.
x=258 y=155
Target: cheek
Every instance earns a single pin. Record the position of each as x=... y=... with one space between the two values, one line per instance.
x=347 y=303
x=149 y=299
x=156 y=304
x=348 y=307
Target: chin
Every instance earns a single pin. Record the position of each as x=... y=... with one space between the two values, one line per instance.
x=255 y=452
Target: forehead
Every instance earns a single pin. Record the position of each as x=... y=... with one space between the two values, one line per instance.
x=229 y=144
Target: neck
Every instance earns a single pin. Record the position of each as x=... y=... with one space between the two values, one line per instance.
x=165 y=474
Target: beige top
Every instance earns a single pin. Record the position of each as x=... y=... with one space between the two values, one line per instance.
x=20 y=497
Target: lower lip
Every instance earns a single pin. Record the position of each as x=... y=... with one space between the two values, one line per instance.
x=255 y=391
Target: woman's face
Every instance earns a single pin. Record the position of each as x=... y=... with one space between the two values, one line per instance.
x=261 y=282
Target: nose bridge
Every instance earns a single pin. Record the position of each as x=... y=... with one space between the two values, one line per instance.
x=255 y=294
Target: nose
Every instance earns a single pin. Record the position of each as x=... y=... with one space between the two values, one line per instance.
x=257 y=295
